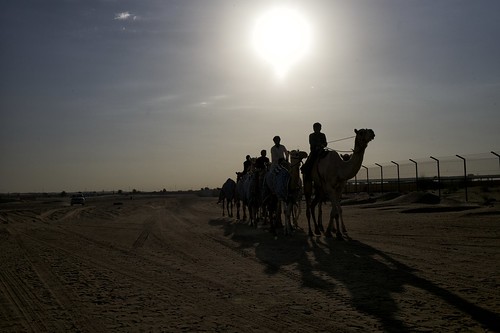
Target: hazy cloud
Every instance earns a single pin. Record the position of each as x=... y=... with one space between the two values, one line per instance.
x=123 y=16
x=212 y=100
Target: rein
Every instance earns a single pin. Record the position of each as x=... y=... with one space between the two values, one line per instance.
x=347 y=138
x=341 y=151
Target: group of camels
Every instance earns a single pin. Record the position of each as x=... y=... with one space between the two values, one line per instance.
x=265 y=191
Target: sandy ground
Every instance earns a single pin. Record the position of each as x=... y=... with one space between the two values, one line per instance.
x=174 y=264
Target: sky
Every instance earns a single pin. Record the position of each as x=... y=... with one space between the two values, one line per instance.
x=119 y=94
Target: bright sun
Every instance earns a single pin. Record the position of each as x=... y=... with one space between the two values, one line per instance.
x=281 y=36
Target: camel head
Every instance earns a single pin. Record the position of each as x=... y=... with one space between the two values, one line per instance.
x=298 y=154
x=363 y=136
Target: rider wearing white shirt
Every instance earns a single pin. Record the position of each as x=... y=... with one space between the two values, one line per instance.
x=278 y=152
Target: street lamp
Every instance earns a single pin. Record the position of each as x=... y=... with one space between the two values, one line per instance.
x=367 y=180
x=497 y=156
x=381 y=178
x=439 y=176
x=465 y=176
x=416 y=173
x=399 y=188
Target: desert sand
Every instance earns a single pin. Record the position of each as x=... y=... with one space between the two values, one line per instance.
x=174 y=264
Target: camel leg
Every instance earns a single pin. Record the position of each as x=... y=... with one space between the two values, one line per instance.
x=310 y=211
x=296 y=210
x=250 y=220
x=288 y=212
x=334 y=214
x=270 y=205
x=308 y=216
x=254 y=217
x=285 y=225
x=338 y=217
x=264 y=213
x=279 y=222
x=308 y=195
x=270 y=208
x=244 y=210
x=273 y=219
x=252 y=211
x=331 y=226
x=249 y=215
x=341 y=229
x=318 y=224
x=320 y=216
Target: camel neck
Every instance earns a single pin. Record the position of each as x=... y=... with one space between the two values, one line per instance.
x=355 y=162
x=294 y=169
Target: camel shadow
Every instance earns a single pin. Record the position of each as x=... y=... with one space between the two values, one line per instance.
x=373 y=279
x=272 y=253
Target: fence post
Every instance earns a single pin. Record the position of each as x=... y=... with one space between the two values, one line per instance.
x=439 y=176
x=381 y=178
x=465 y=176
x=399 y=187
x=416 y=173
x=367 y=180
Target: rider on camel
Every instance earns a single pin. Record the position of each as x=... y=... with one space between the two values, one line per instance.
x=279 y=153
x=317 y=144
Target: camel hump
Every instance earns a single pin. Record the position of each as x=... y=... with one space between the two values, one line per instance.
x=324 y=153
x=328 y=153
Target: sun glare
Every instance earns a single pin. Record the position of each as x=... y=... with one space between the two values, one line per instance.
x=281 y=36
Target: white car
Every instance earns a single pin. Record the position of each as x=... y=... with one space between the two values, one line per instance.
x=77 y=199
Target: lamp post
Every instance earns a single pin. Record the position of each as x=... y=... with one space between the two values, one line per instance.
x=439 y=176
x=465 y=176
x=381 y=178
x=397 y=165
x=367 y=180
x=416 y=173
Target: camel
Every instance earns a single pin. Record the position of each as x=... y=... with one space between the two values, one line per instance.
x=329 y=176
x=283 y=185
x=295 y=187
x=240 y=196
x=247 y=190
x=227 y=196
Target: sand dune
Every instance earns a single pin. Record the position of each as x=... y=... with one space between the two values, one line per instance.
x=172 y=263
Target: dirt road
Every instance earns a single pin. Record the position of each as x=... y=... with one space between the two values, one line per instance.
x=173 y=264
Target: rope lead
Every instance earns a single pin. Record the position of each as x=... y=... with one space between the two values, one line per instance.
x=350 y=137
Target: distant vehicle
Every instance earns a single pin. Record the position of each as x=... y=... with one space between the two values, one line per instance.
x=77 y=199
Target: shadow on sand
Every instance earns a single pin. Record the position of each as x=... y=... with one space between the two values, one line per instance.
x=371 y=277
